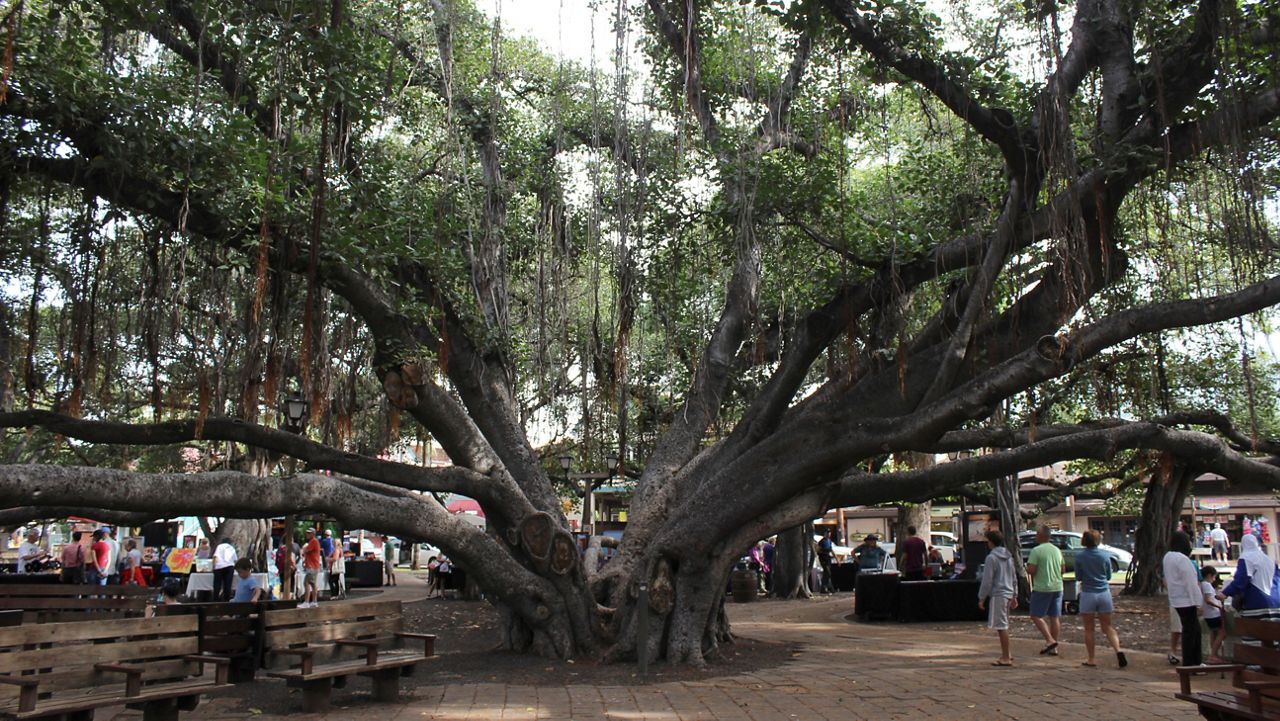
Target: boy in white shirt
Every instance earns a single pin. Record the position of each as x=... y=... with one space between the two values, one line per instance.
x=1213 y=609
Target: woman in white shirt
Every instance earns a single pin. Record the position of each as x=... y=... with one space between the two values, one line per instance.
x=1182 y=583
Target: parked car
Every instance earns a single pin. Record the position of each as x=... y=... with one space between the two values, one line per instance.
x=1069 y=543
x=944 y=541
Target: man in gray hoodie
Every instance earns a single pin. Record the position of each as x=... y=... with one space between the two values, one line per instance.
x=999 y=592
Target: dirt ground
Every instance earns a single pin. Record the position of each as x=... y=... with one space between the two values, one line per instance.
x=467 y=639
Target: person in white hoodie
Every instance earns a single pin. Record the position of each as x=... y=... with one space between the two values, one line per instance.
x=1182 y=583
x=999 y=592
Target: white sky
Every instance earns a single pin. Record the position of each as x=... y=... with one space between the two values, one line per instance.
x=564 y=27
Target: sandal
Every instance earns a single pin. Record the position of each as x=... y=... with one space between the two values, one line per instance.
x=1121 y=660
x=1090 y=664
x=1050 y=650
x=1174 y=660
x=1002 y=663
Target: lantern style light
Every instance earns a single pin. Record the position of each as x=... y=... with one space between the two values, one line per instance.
x=294 y=410
x=566 y=460
x=611 y=462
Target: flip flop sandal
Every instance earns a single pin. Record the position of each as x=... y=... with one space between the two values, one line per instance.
x=1121 y=660
x=1090 y=665
x=1001 y=663
x=1174 y=660
x=1050 y=650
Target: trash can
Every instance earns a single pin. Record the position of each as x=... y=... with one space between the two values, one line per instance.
x=745 y=584
x=1070 y=595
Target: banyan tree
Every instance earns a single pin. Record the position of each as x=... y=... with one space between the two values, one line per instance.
x=764 y=251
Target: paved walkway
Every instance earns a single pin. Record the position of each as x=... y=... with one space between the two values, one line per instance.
x=843 y=671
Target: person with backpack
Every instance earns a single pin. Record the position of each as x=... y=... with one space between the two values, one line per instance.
x=72 y=560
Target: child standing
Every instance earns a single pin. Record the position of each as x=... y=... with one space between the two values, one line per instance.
x=999 y=592
x=1213 y=609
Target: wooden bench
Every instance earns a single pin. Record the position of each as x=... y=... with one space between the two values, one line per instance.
x=42 y=603
x=67 y=670
x=323 y=640
x=1255 y=672
x=233 y=630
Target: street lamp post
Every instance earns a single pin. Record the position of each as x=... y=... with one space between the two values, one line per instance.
x=293 y=417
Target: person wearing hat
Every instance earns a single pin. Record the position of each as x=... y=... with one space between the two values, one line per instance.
x=870 y=556
x=311 y=555
x=30 y=554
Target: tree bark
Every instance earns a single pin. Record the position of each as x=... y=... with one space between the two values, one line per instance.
x=1161 y=510
x=792 y=559
x=1010 y=507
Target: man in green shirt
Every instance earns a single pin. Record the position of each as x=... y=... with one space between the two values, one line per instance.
x=1044 y=565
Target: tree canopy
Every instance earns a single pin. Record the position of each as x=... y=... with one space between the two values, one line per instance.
x=766 y=249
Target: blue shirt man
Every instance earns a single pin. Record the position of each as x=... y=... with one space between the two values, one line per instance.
x=249 y=589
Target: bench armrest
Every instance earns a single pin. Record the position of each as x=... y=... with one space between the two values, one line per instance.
x=30 y=690
x=1185 y=672
x=222 y=663
x=308 y=656
x=133 y=676
x=370 y=649
x=428 y=640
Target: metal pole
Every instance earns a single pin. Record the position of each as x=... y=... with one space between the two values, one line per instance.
x=642 y=629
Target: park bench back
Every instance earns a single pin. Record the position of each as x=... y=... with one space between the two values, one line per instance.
x=234 y=630
x=62 y=656
x=298 y=627
x=1255 y=672
x=54 y=603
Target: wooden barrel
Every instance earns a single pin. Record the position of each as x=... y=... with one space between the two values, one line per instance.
x=744 y=584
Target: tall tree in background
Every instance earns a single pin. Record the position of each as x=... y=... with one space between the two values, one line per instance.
x=810 y=237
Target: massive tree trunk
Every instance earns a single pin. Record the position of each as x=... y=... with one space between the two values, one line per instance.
x=792 y=559
x=1161 y=510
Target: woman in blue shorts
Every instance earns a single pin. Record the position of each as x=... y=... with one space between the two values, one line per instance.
x=1093 y=574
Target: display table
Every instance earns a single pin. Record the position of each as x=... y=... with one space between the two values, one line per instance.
x=885 y=595
x=204 y=582
x=23 y=579
x=364 y=574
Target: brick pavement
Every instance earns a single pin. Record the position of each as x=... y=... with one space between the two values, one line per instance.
x=843 y=671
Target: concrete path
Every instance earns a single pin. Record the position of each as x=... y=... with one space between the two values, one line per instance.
x=842 y=671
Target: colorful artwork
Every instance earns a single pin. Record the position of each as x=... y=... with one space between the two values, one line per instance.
x=179 y=560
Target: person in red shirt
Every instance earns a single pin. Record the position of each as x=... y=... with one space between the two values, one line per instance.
x=310 y=569
x=914 y=552
x=96 y=570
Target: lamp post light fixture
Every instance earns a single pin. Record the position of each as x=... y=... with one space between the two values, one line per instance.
x=566 y=460
x=611 y=462
x=294 y=411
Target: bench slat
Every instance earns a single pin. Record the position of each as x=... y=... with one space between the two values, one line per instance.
x=332 y=632
x=73 y=631
x=330 y=612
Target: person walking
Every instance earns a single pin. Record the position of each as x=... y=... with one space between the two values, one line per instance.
x=286 y=565
x=1256 y=584
x=998 y=592
x=1044 y=565
x=1221 y=543
x=1093 y=573
x=914 y=553
x=389 y=559
x=311 y=555
x=72 y=559
x=1182 y=584
x=224 y=569
x=337 y=565
x=826 y=549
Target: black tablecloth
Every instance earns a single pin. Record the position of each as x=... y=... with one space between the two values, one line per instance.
x=939 y=601
x=24 y=579
x=876 y=595
x=844 y=576
x=364 y=574
x=888 y=596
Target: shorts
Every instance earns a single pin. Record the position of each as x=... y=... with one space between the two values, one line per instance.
x=311 y=577
x=1213 y=623
x=1046 y=604
x=1175 y=623
x=998 y=613
x=1096 y=602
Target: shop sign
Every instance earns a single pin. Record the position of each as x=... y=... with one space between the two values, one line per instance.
x=1214 y=504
